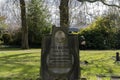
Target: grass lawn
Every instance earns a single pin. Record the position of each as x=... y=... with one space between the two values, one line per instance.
x=100 y=63
x=16 y=64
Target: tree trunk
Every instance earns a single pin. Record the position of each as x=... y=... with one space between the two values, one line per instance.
x=24 y=25
x=64 y=13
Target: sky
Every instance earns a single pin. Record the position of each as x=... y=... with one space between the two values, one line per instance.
x=2 y=1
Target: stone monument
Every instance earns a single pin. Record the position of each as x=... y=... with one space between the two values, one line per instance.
x=117 y=56
x=60 y=55
x=115 y=77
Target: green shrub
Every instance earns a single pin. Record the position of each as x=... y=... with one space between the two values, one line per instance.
x=6 y=37
x=17 y=38
x=100 y=34
x=34 y=37
x=118 y=39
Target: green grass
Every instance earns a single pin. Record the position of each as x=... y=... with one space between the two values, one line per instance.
x=17 y=64
x=100 y=63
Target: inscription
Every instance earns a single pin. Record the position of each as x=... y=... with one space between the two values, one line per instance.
x=60 y=60
x=59 y=56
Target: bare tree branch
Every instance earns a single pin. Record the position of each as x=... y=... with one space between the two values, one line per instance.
x=118 y=6
x=103 y=1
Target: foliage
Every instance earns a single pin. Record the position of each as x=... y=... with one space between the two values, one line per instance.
x=37 y=21
x=6 y=38
x=3 y=26
x=100 y=34
x=118 y=39
x=38 y=24
x=16 y=38
x=2 y=23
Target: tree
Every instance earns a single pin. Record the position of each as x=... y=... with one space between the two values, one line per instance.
x=24 y=25
x=101 y=34
x=64 y=13
x=3 y=26
x=103 y=1
x=64 y=9
x=37 y=18
x=33 y=19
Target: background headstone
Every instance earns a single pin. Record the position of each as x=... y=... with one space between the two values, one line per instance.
x=117 y=56
x=115 y=77
x=83 y=79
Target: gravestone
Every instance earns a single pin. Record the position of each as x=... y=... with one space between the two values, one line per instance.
x=117 y=56
x=83 y=79
x=100 y=77
x=115 y=77
x=60 y=56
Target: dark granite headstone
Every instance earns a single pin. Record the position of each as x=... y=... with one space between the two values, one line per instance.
x=117 y=56
x=115 y=77
x=83 y=79
x=60 y=56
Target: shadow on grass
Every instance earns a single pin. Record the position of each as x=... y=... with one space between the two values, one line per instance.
x=10 y=49
x=20 y=67
x=7 y=78
x=16 y=55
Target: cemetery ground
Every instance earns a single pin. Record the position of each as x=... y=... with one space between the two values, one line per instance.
x=17 y=64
